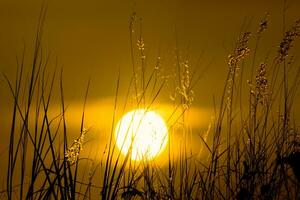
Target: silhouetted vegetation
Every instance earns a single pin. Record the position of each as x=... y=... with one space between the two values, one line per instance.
x=250 y=151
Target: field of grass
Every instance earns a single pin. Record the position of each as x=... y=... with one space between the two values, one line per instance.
x=251 y=149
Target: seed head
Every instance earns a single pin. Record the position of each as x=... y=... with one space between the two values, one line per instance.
x=141 y=44
x=263 y=24
x=261 y=85
x=287 y=41
x=73 y=152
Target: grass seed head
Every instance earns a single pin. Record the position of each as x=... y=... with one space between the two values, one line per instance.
x=287 y=41
x=261 y=86
x=73 y=152
x=263 y=24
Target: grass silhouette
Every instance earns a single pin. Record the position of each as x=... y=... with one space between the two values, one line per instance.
x=251 y=150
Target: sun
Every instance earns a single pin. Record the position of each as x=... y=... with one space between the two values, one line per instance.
x=143 y=132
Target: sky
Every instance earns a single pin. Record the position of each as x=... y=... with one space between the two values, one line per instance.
x=91 y=40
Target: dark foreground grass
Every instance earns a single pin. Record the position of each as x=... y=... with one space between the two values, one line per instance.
x=250 y=151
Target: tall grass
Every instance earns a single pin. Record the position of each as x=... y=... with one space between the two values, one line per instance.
x=250 y=151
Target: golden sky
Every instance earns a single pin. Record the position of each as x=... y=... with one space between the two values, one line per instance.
x=90 y=39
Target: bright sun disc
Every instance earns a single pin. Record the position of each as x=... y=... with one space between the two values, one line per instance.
x=145 y=132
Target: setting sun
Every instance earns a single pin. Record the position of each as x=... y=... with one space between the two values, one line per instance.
x=143 y=131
